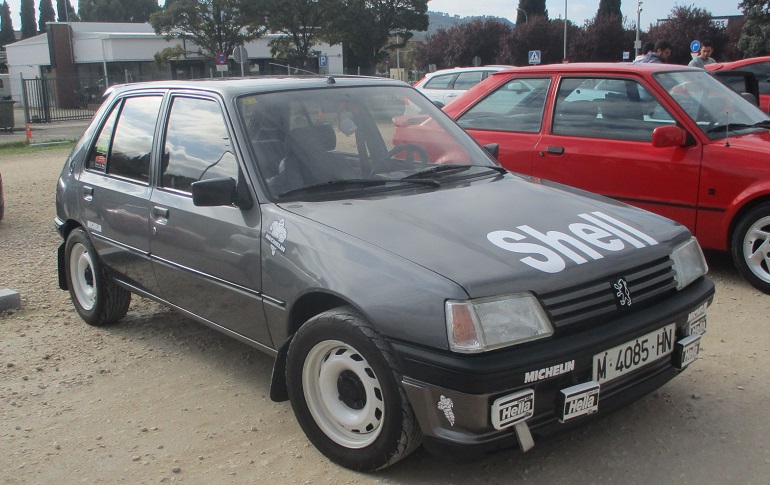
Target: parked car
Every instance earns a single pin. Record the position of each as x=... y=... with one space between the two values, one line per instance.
x=405 y=300
x=759 y=66
x=443 y=86
x=671 y=140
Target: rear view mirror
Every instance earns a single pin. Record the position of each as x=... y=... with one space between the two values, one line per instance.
x=668 y=136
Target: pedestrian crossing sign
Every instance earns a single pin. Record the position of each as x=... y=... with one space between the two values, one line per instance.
x=534 y=57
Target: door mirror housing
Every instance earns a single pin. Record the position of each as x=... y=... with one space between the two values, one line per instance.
x=668 y=136
x=214 y=192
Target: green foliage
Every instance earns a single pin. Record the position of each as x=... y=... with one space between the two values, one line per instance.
x=458 y=45
x=47 y=14
x=534 y=8
x=755 y=36
x=65 y=12
x=603 y=39
x=169 y=53
x=610 y=8
x=28 y=23
x=132 y=11
x=6 y=25
x=302 y=23
x=366 y=28
x=538 y=33
x=214 y=25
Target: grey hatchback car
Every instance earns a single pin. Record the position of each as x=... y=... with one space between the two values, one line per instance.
x=407 y=298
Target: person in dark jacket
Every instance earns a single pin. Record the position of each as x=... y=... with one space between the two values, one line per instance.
x=661 y=53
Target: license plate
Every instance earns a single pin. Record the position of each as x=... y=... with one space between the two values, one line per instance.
x=634 y=354
x=686 y=351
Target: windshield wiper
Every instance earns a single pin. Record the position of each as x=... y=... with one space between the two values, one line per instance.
x=733 y=127
x=451 y=168
x=347 y=184
x=762 y=124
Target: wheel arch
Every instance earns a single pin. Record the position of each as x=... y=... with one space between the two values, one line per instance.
x=741 y=212
x=305 y=308
x=64 y=230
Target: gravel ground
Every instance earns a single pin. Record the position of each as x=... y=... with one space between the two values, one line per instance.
x=159 y=398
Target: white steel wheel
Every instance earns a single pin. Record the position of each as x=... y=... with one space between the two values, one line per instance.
x=343 y=394
x=82 y=276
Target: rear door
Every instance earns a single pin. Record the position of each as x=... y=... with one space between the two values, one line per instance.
x=207 y=259
x=115 y=189
x=600 y=139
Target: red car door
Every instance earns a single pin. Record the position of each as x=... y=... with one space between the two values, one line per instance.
x=511 y=116
x=598 y=137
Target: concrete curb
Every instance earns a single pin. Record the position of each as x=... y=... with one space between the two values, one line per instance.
x=9 y=300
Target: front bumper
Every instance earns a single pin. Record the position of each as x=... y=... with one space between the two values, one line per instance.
x=454 y=396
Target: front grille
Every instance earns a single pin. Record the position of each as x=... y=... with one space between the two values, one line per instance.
x=595 y=300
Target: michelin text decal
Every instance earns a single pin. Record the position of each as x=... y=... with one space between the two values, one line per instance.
x=604 y=233
x=547 y=372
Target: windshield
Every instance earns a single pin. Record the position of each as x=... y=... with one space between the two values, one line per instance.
x=340 y=142
x=717 y=110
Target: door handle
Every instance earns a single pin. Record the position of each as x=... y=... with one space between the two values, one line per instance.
x=160 y=214
x=88 y=193
x=555 y=150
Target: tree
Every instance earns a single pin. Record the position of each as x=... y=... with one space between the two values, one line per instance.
x=214 y=25
x=65 y=12
x=458 y=45
x=302 y=22
x=602 y=39
x=28 y=23
x=47 y=14
x=132 y=11
x=6 y=25
x=533 y=8
x=366 y=28
x=608 y=8
x=682 y=26
x=537 y=33
x=755 y=36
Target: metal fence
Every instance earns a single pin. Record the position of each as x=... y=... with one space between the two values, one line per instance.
x=48 y=100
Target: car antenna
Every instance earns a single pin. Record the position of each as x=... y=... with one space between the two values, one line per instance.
x=727 y=128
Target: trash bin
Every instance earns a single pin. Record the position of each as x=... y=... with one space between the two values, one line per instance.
x=6 y=114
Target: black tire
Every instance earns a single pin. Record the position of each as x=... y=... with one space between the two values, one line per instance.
x=98 y=300
x=751 y=247
x=340 y=348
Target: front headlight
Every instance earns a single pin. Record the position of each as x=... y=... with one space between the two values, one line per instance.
x=490 y=323
x=689 y=263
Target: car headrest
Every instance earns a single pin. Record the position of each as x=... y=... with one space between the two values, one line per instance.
x=312 y=138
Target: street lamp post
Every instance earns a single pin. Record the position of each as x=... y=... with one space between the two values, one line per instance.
x=638 y=43
x=565 y=29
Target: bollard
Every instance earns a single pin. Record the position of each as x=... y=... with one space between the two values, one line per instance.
x=29 y=133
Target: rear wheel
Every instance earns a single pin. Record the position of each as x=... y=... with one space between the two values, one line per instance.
x=751 y=247
x=96 y=297
x=345 y=390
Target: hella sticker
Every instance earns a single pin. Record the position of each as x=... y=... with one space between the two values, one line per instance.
x=551 y=251
x=513 y=408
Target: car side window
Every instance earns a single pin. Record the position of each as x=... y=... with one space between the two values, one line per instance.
x=619 y=109
x=466 y=80
x=762 y=72
x=440 y=82
x=197 y=144
x=129 y=155
x=98 y=158
x=516 y=106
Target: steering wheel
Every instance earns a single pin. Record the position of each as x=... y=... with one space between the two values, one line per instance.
x=410 y=149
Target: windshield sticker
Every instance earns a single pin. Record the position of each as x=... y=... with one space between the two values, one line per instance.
x=276 y=236
x=604 y=233
x=445 y=404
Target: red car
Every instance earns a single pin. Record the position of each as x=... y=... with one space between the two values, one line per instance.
x=759 y=66
x=669 y=139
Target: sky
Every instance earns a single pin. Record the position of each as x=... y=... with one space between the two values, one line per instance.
x=578 y=11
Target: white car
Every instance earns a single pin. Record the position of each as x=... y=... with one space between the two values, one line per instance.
x=445 y=85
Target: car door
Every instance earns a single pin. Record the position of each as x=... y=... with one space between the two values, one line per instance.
x=207 y=259
x=115 y=189
x=600 y=139
x=511 y=116
x=463 y=82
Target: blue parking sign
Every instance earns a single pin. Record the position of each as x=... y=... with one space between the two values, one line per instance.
x=534 y=57
x=323 y=61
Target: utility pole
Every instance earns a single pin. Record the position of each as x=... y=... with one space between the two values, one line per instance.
x=565 y=29
x=637 y=42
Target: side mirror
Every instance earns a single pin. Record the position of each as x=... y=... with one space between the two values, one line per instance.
x=214 y=192
x=668 y=136
x=493 y=149
x=439 y=104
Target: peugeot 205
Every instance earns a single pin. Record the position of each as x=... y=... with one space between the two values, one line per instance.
x=406 y=298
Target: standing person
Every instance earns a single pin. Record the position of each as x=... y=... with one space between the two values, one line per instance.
x=704 y=55
x=661 y=54
x=648 y=48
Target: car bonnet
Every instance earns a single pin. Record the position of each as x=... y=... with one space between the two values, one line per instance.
x=504 y=236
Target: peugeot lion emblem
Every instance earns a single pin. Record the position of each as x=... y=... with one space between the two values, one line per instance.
x=622 y=293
